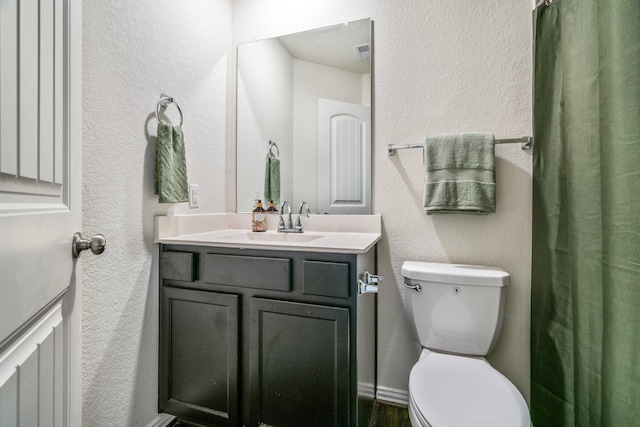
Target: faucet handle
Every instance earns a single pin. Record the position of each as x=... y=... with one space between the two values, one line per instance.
x=307 y=211
x=281 y=225
x=298 y=225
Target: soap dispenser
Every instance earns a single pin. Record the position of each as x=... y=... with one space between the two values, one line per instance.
x=272 y=208
x=259 y=218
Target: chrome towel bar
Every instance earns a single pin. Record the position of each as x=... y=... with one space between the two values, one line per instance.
x=526 y=141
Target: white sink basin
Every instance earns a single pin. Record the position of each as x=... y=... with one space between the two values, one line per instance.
x=269 y=237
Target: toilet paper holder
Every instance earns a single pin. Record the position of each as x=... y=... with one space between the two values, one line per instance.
x=367 y=284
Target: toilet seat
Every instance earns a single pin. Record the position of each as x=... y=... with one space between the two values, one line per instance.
x=455 y=391
x=416 y=418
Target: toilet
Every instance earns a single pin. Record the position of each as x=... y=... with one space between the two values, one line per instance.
x=456 y=312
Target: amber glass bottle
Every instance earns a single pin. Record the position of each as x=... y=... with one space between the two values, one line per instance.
x=259 y=218
x=272 y=208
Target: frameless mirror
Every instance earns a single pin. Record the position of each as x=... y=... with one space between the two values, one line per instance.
x=310 y=93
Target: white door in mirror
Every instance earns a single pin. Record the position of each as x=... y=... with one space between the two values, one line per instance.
x=344 y=158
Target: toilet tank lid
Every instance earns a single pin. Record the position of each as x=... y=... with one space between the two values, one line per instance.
x=458 y=274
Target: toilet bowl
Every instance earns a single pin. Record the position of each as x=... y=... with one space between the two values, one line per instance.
x=456 y=314
x=446 y=390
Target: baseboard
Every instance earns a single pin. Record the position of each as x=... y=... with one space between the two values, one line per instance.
x=162 y=420
x=366 y=390
x=392 y=395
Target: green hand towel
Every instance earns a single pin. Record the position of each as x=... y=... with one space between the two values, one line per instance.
x=272 y=179
x=171 y=165
x=460 y=174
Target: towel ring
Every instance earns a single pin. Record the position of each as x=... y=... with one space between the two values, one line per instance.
x=164 y=102
x=270 y=152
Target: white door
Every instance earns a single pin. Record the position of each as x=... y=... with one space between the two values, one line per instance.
x=344 y=155
x=40 y=209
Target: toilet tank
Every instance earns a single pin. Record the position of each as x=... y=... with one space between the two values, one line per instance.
x=459 y=308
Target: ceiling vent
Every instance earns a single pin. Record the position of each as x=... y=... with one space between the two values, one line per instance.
x=363 y=51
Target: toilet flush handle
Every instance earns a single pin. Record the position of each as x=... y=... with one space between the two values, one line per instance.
x=417 y=288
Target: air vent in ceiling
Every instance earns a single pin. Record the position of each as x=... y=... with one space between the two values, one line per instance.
x=363 y=51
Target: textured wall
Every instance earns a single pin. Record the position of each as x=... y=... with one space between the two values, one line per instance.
x=132 y=52
x=439 y=67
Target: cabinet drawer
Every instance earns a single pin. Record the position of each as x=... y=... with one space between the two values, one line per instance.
x=248 y=272
x=329 y=279
x=177 y=266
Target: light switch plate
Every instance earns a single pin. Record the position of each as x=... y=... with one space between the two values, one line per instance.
x=194 y=195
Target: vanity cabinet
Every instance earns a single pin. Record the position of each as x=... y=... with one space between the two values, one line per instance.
x=266 y=338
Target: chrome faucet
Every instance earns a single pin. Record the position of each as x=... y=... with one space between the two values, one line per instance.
x=281 y=226
x=298 y=225
x=289 y=227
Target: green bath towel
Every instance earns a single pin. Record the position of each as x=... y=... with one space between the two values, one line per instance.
x=272 y=179
x=460 y=174
x=171 y=165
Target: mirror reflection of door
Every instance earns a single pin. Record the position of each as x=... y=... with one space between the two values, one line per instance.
x=344 y=156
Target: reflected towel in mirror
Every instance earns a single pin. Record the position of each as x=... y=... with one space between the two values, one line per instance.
x=272 y=179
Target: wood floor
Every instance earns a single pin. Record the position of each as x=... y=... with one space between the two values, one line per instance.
x=388 y=415
x=384 y=415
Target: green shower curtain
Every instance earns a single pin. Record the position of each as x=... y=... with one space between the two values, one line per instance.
x=585 y=290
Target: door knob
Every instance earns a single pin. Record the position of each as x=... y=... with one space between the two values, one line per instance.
x=97 y=244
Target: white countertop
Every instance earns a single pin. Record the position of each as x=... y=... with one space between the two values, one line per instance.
x=322 y=233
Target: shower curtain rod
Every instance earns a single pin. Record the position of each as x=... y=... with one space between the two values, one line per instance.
x=526 y=142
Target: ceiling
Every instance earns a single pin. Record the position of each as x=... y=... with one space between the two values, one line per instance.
x=332 y=46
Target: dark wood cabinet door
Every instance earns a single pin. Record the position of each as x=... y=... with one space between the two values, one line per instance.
x=299 y=370
x=199 y=355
